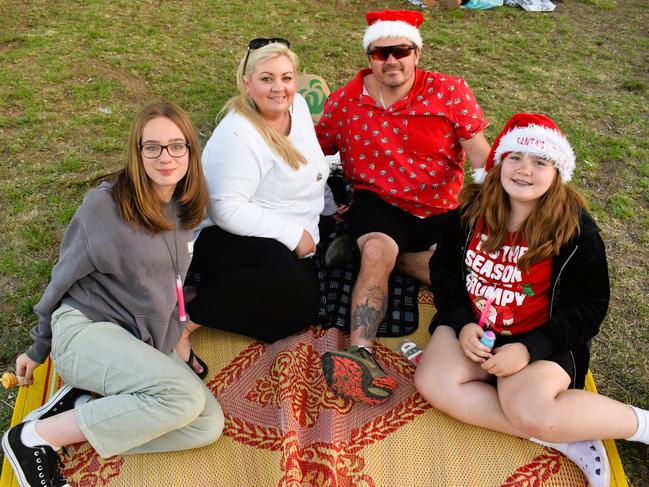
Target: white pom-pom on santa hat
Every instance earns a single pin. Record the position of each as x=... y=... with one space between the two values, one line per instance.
x=478 y=174
x=535 y=134
x=393 y=23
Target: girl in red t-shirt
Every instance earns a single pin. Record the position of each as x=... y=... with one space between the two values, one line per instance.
x=513 y=240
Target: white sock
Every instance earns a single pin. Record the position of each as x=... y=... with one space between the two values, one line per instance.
x=642 y=433
x=31 y=438
x=590 y=456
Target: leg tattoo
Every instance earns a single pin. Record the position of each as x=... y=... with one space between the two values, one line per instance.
x=367 y=316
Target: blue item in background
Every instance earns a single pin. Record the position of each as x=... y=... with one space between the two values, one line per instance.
x=482 y=4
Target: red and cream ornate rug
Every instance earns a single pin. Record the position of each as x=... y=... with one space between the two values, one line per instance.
x=285 y=428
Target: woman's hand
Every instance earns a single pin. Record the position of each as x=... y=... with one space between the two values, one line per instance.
x=507 y=360
x=470 y=342
x=24 y=369
x=306 y=245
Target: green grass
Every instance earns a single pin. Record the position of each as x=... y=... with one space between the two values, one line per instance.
x=75 y=73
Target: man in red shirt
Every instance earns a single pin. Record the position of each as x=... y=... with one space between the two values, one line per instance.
x=402 y=134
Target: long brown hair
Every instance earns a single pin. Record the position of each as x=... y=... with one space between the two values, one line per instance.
x=244 y=105
x=137 y=202
x=553 y=222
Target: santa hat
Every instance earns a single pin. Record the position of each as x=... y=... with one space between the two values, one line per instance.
x=535 y=134
x=393 y=23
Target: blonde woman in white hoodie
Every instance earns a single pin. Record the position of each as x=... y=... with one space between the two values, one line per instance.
x=266 y=177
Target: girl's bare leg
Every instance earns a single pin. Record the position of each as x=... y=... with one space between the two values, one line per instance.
x=537 y=400
x=454 y=384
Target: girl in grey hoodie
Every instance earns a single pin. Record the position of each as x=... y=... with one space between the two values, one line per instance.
x=114 y=310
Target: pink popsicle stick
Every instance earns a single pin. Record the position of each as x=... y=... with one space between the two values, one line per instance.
x=485 y=311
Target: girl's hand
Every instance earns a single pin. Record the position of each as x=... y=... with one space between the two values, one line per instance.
x=24 y=369
x=470 y=342
x=306 y=245
x=507 y=360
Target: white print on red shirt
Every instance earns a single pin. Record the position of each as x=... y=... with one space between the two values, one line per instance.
x=520 y=300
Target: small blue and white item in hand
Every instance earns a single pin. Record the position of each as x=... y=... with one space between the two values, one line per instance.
x=488 y=339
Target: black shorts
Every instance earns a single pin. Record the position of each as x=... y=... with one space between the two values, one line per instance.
x=565 y=359
x=369 y=213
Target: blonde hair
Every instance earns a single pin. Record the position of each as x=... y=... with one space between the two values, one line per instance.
x=136 y=200
x=245 y=106
x=552 y=224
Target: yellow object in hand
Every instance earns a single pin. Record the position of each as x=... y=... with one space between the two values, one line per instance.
x=9 y=380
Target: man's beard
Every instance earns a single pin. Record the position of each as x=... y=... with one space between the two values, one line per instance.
x=392 y=82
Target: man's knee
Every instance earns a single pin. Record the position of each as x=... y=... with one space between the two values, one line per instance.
x=378 y=249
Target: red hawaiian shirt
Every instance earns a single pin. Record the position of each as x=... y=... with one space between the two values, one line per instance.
x=410 y=153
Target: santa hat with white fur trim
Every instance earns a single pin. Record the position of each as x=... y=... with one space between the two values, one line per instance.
x=393 y=23
x=531 y=133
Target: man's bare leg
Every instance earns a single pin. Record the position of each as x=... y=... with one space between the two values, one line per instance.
x=354 y=372
x=415 y=265
x=370 y=293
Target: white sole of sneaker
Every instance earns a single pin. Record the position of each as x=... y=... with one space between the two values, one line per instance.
x=15 y=464
x=37 y=413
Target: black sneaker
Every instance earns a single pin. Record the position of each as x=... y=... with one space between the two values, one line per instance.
x=39 y=466
x=64 y=400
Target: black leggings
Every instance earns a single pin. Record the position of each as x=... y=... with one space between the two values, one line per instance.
x=253 y=286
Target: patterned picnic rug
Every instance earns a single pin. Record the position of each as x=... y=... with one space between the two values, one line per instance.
x=285 y=428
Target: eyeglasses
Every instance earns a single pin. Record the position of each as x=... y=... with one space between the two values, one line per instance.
x=383 y=53
x=261 y=42
x=176 y=149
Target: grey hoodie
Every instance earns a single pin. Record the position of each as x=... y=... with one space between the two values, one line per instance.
x=112 y=272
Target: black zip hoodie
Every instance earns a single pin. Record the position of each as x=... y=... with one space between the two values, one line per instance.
x=578 y=304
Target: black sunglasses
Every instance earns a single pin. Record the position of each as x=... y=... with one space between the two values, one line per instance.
x=383 y=53
x=261 y=42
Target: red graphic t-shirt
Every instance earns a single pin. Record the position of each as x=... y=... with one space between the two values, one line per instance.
x=409 y=153
x=521 y=300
